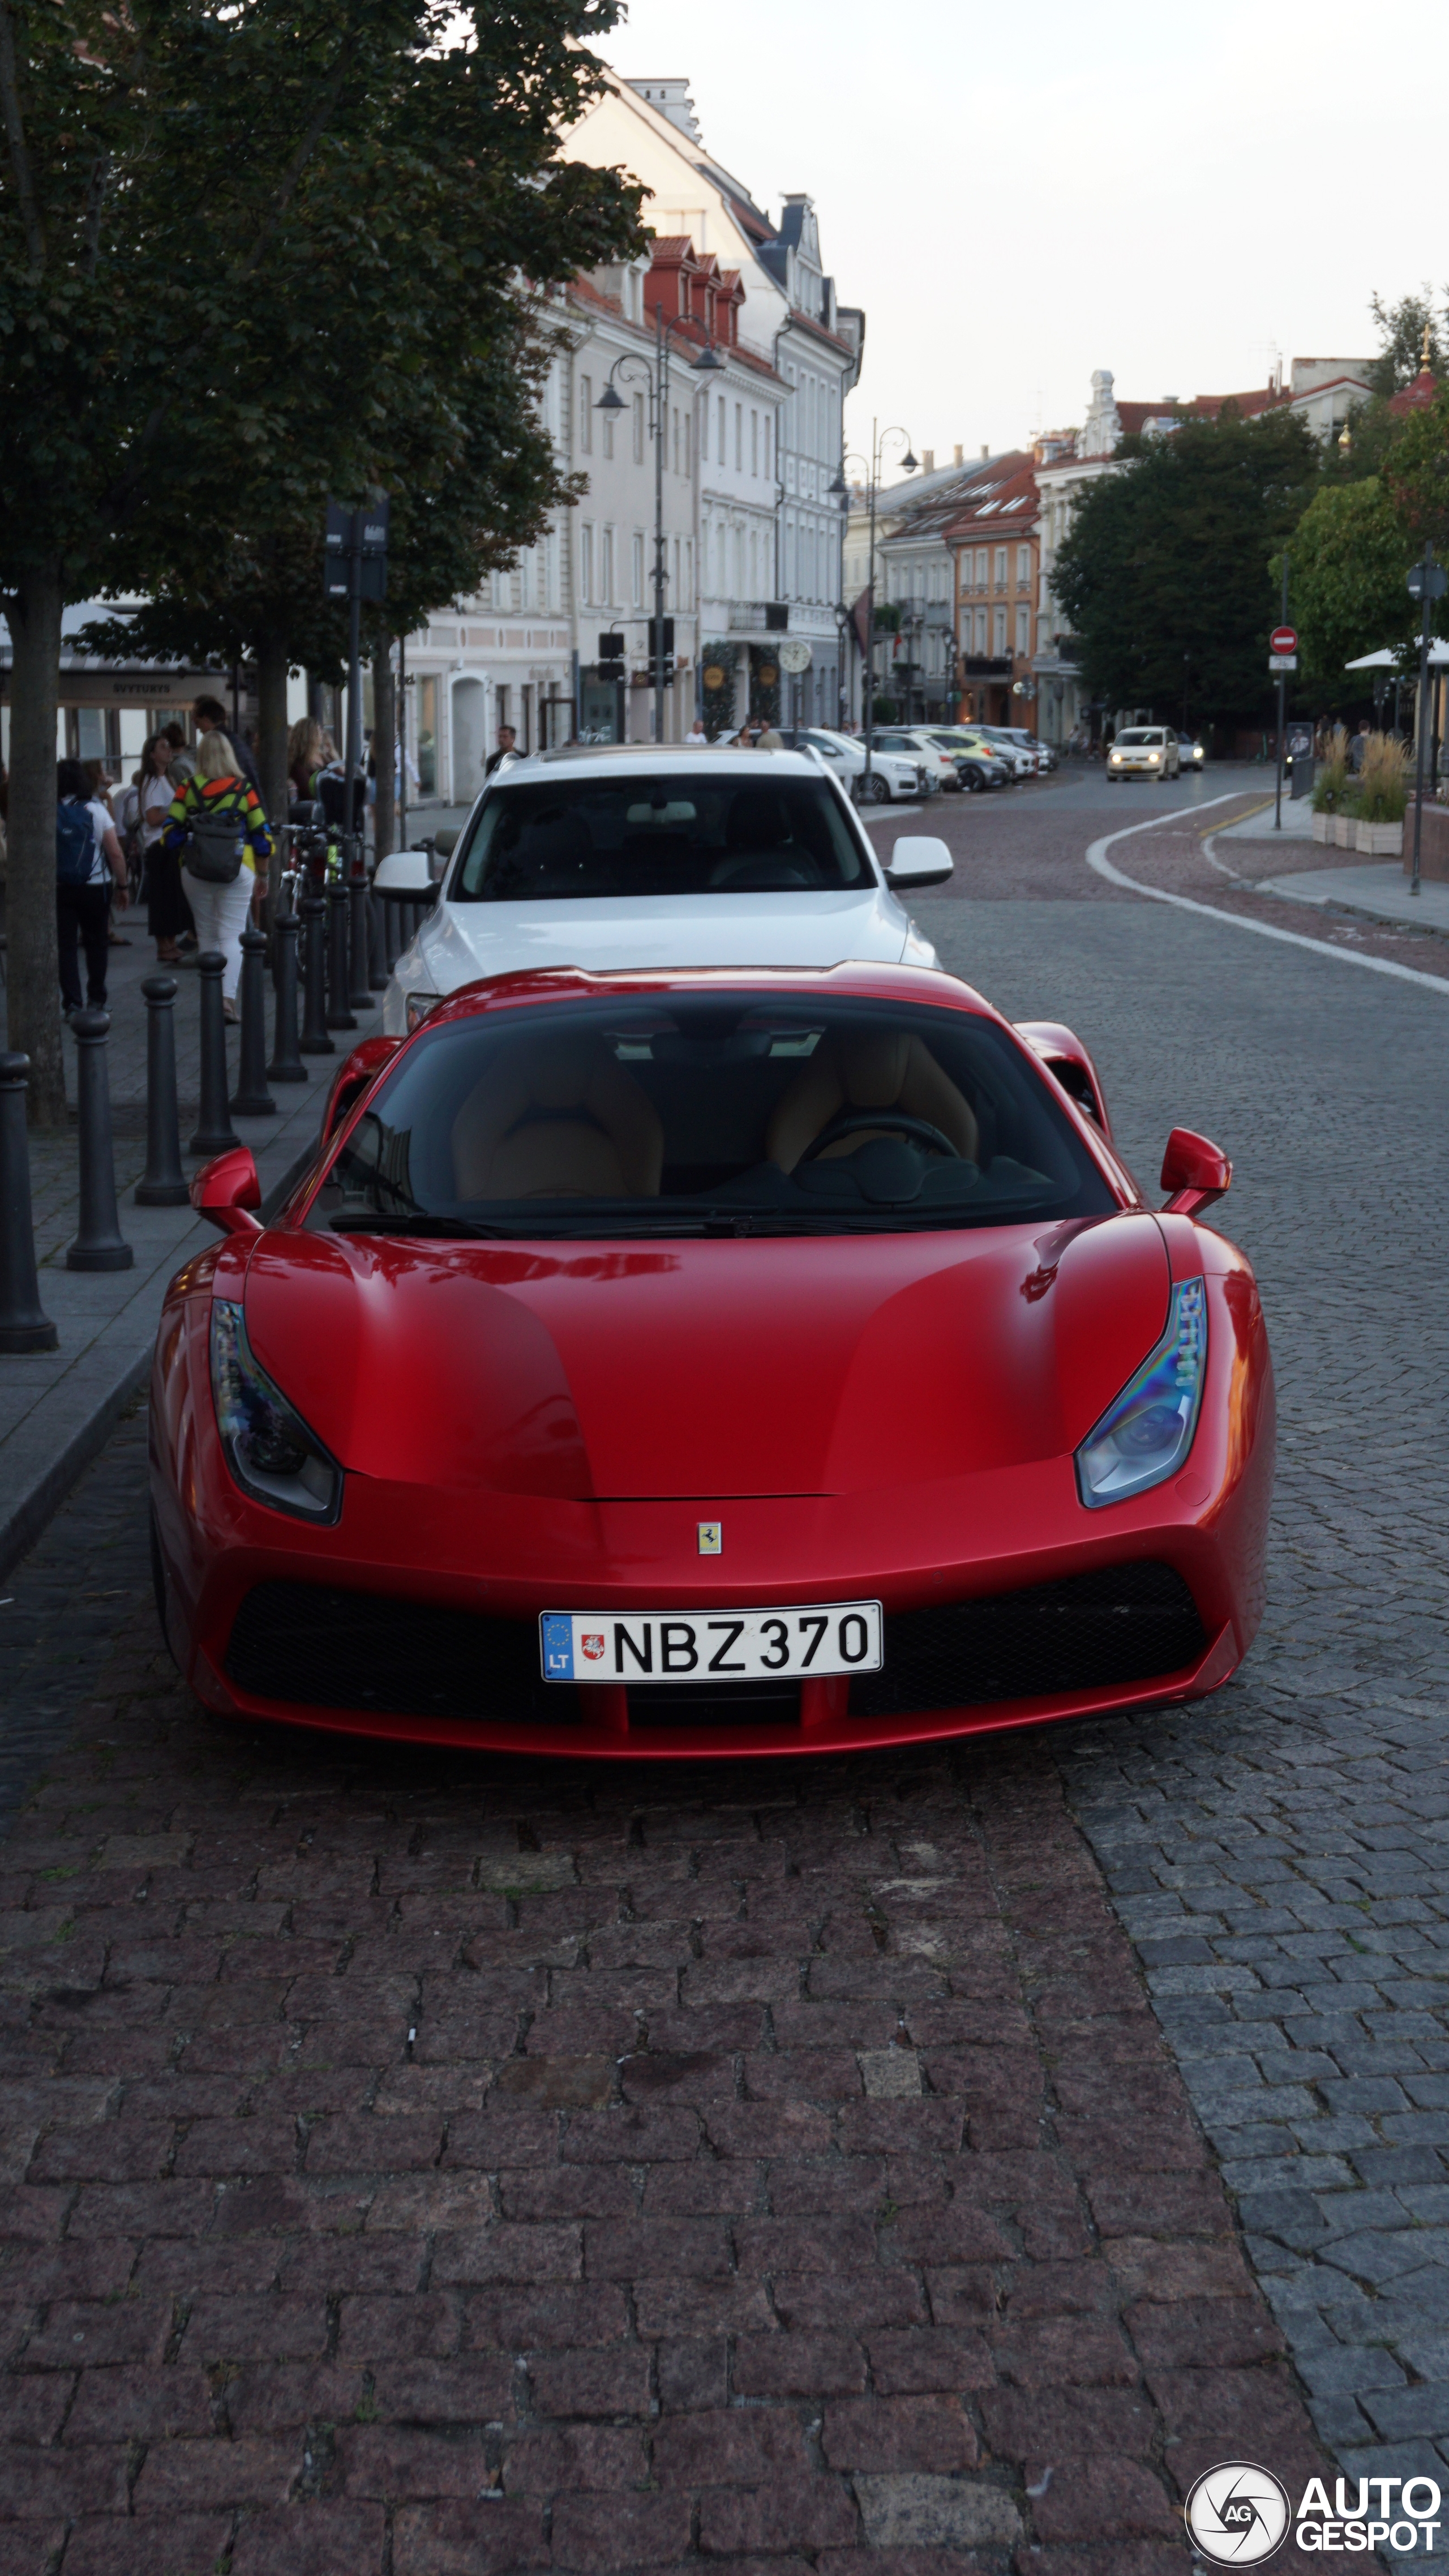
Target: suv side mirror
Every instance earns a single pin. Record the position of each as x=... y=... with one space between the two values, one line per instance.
x=918 y=860
x=228 y=1192
x=445 y=842
x=403 y=872
x=1196 y=1172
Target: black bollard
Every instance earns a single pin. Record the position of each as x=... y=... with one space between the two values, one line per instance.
x=408 y=923
x=339 y=1016
x=314 y=1039
x=251 y=1098
x=359 y=996
x=377 y=957
x=388 y=910
x=163 y=1183
x=24 y=1325
x=286 y=1064
x=214 y=1132
x=99 y=1245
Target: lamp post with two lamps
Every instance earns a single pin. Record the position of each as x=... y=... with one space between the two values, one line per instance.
x=840 y=492
x=656 y=377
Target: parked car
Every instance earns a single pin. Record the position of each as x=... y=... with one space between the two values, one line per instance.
x=606 y=856
x=710 y=1364
x=914 y=742
x=1144 y=751
x=1023 y=763
x=892 y=775
x=980 y=763
x=1044 y=753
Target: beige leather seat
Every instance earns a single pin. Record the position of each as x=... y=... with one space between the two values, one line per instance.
x=557 y=1118
x=891 y=1071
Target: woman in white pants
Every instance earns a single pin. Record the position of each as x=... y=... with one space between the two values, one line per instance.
x=219 y=795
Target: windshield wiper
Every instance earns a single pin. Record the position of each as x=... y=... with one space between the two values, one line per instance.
x=391 y=1221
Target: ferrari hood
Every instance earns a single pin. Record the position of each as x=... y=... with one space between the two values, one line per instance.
x=725 y=1367
x=463 y=941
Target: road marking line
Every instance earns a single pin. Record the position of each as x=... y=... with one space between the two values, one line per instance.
x=1098 y=860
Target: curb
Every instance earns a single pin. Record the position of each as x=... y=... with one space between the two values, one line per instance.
x=38 y=1493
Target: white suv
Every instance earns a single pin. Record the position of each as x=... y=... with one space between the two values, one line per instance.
x=630 y=855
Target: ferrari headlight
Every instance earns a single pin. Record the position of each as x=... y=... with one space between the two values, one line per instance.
x=1145 y=1436
x=268 y=1447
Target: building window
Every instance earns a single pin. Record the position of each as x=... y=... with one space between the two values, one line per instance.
x=674 y=426
x=675 y=599
x=767 y=446
x=636 y=568
x=586 y=564
x=754 y=442
x=722 y=457
x=688 y=463
x=606 y=568
x=739 y=438
x=704 y=432
x=1001 y=567
x=638 y=429
x=1000 y=616
x=586 y=415
x=981 y=567
x=688 y=599
x=1023 y=631
x=982 y=614
x=608 y=433
x=1023 y=566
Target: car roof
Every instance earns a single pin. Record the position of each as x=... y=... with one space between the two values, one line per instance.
x=655 y=760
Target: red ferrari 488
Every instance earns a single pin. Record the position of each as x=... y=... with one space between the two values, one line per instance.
x=712 y=1362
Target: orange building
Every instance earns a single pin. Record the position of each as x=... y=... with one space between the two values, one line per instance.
x=995 y=546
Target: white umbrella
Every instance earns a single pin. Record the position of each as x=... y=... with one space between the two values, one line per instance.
x=1389 y=657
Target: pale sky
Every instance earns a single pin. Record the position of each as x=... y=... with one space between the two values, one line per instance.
x=1170 y=194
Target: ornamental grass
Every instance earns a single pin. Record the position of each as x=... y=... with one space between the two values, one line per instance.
x=1383 y=788
x=1331 y=777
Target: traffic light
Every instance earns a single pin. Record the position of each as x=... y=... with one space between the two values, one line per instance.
x=611 y=657
x=654 y=639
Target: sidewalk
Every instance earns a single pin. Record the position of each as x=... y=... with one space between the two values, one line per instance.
x=1380 y=888
x=56 y=1407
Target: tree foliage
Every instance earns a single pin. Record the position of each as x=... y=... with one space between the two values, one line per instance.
x=1165 y=572
x=1346 y=581
x=248 y=257
x=1401 y=339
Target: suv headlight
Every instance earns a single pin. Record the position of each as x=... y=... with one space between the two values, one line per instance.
x=1145 y=1436
x=269 y=1449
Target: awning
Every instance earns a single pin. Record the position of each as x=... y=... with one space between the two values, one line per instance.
x=1391 y=657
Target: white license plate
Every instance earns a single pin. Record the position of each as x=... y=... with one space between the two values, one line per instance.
x=711 y=1645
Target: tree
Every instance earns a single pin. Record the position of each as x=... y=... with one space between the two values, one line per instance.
x=349 y=172
x=1401 y=339
x=1168 y=559
x=1347 y=561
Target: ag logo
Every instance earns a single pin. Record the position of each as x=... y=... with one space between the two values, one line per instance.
x=1237 y=2515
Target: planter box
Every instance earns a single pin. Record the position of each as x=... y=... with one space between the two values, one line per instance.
x=1321 y=827
x=1434 y=857
x=1344 y=832
x=1381 y=840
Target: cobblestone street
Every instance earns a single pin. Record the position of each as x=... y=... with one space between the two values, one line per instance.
x=901 y=2167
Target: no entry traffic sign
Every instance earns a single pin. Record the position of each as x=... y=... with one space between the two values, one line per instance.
x=1284 y=639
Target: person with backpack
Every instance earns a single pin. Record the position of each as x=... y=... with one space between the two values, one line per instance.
x=89 y=860
x=218 y=831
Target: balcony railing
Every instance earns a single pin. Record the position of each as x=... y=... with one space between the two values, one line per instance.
x=758 y=616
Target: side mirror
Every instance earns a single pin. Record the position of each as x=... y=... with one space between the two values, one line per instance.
x=445 y=842
x=228 y=1193
x=405 y=872
x=918 y=860
x=1065 y=1057
x=1196 y=1172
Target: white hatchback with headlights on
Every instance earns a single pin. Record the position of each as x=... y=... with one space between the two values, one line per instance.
x=1144 y=751
x=613 y=856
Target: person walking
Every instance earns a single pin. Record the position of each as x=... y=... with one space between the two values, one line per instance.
x=167 y=912
x=1357 y=747
x=219 y=867
x=88 y=861
x=507 y=743
x=304 y=758
x=211 y=717
x=696 y=739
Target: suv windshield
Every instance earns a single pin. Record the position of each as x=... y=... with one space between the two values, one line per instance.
x=729 y=1113
x=558 y=839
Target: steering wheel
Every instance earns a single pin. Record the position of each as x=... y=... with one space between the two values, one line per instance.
x=917 y=1131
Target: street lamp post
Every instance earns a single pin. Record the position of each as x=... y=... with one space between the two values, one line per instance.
x=909 y=462
x=1427 y=582
x=657 y=380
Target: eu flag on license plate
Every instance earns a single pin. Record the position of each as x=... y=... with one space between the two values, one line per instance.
x=558 y=1649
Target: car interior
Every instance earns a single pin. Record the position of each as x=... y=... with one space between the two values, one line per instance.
x=590 y=838
x=724 y=1110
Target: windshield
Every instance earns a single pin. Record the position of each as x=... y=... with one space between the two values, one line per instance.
x=1138 y=737
x=562 y=839
x=728 y=1113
